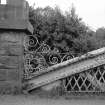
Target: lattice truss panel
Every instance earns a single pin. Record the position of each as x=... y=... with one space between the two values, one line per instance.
x=92 y=80
x=38 y=56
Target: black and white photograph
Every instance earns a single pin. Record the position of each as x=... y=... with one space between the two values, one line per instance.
x=52 y=52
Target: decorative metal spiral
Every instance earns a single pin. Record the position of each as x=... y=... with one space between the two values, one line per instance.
x=53 y=59
x=34 y=62
x=33 y=41
x=39 y=56
x=30 y=42
x=67 y=57
x=44 y=48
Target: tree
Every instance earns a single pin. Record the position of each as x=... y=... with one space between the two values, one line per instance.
x=100 y=37
x=67 y=32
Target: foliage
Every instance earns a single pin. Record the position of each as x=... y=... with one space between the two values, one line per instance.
x=100 y=37
x=65 y=31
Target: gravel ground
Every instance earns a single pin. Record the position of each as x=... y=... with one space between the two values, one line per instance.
x=34 y=100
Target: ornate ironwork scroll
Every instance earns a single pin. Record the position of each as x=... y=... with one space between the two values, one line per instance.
x=38 y=56
x=92 y=80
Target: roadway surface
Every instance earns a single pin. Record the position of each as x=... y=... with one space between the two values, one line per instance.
x=33 y=100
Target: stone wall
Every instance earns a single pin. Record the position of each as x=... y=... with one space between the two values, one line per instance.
x=11 y=61
x=14 y=25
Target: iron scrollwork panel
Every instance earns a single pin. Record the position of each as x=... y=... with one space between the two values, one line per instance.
x=39 y=56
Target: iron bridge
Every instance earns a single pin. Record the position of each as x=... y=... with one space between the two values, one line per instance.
x=38 y=56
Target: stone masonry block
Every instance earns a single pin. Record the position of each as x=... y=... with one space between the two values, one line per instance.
x=12 y=37
x=3 y=75
x=9 y=60
x=13 y=75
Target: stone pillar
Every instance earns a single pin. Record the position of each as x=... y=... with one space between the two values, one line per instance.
x=21 y=8
x=12 y=32
x=11 y=62
x=15 y=2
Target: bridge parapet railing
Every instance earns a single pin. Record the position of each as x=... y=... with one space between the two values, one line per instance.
x=38 y=56
x=92 y=80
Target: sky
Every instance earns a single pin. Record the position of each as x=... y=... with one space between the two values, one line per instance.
x=91 y=11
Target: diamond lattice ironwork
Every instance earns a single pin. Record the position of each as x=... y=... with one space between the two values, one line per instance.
x=92 y=80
